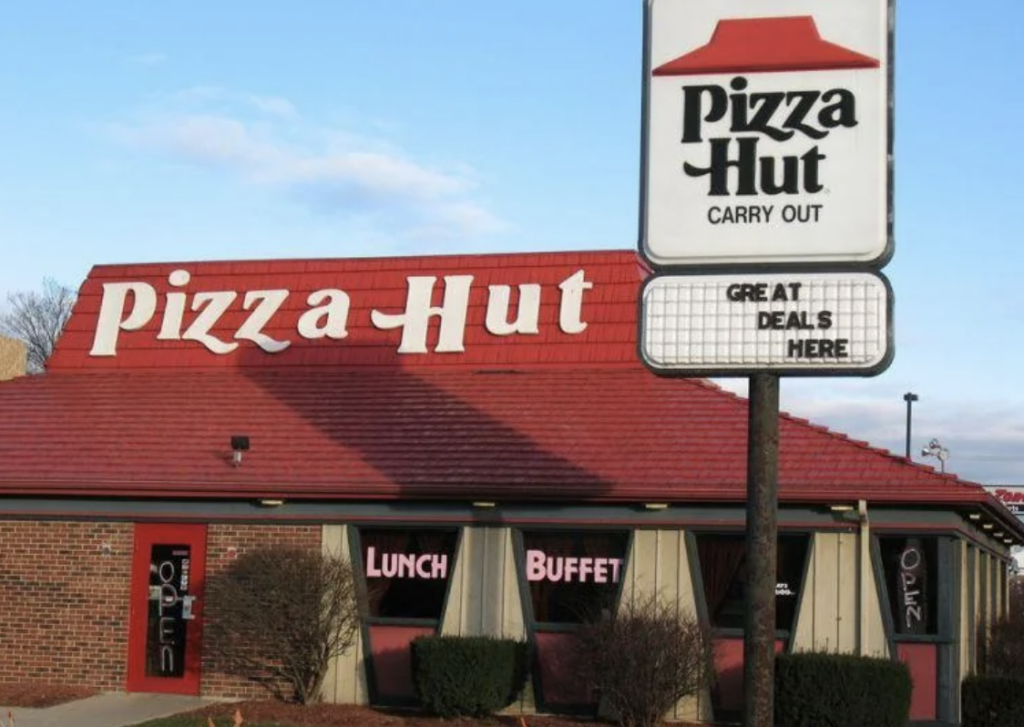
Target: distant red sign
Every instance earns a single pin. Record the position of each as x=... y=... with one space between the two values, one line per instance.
x=1012 y=497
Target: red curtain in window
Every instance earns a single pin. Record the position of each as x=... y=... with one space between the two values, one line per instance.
x=720 y=560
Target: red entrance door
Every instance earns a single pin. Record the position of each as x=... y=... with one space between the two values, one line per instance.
x=165 y=628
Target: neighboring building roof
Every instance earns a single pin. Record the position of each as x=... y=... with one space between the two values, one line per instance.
x=13 y=358
x=554 y=417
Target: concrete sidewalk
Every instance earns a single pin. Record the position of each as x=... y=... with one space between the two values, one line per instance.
x=104 y=710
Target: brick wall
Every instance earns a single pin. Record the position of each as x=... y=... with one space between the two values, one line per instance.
x=13 y=358
x=65 y=590
x=64 y=612
x=224 y=543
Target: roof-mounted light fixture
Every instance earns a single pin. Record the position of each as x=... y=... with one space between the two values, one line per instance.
x=239 y=444
x=975 y=516
x=934 y=449
x=987 y=526
x=655 y=506
x=267 y=502
x=483 y=504
x=841 y=508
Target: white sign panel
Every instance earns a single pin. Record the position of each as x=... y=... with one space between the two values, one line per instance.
x=784 y=323
x=767 y=132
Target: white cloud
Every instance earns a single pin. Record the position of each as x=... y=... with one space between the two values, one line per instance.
x=262 y=140
x=148 y=59
x=272 y=105
x=208 y=97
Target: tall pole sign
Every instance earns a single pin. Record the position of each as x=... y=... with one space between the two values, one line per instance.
x=767 y=133
x=766 y=213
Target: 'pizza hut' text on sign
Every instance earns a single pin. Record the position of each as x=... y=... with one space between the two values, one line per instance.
x=129 y=306
x=766 y=133
x=735 y=165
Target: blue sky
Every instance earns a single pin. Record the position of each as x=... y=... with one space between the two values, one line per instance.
x=173 y=131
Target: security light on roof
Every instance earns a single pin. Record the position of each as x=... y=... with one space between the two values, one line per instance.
x=239 y=444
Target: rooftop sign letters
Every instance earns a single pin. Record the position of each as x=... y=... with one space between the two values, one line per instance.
x=188 y=313
x=766 y=132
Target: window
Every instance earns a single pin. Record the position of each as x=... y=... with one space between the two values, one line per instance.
x=573 y=576
x=723 y=570
x=911 y=569
x=407 y=571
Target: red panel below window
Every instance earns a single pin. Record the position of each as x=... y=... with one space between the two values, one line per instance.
x=922 y=659
x=392 y=659
x=729 y=670
x=559 y=682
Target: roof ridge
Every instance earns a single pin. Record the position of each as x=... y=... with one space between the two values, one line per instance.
x=950 y=477
x=395 y=259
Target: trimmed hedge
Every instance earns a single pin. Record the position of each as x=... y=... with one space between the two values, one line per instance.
x=991 y=700
x=840 y=690
x=475 y=676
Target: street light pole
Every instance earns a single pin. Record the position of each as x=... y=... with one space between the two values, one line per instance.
x=910 y=399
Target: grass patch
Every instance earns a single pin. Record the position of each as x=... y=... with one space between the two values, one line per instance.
x=38 y=694
x=268 y=713
x=197 y=721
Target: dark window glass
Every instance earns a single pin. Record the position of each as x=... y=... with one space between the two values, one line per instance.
x=170 y=610
x=407 y=571
x=573 y=576
x=723 y=569
x=911 y=579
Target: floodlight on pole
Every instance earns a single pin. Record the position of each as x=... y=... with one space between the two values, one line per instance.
x=934 y=449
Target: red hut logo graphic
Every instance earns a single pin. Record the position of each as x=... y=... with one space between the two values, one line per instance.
x=733 y=120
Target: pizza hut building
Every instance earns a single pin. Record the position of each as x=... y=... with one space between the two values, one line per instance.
x=477 y=435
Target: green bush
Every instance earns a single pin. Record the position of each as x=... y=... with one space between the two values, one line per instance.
x=840 y=690
x=991 y=700
x=475 y=676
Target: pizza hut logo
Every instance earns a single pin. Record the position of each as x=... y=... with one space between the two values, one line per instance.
x=729 y=124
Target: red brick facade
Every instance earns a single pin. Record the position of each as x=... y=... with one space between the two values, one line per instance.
x=224 y=543
x=66 y=599
x=64 y=616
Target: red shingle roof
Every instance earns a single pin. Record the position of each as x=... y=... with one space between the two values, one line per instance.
x=594 y=432
x=589 y=434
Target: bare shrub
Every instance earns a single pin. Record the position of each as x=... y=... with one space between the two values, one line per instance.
x=282 y=613
x=1004 y=653
x=1017 y=595
x=37 y=319
x=644 y=659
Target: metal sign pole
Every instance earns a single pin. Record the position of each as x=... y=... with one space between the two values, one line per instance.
x=762 y=528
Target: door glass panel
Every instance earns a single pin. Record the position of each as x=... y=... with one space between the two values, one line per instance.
x=170 y=610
